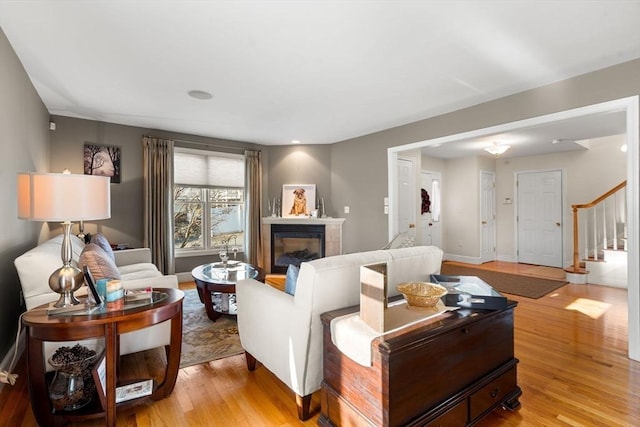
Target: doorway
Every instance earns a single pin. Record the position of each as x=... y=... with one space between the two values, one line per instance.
x=539 y=218
x=487 y=216
x=406 y=196
x=430 y=219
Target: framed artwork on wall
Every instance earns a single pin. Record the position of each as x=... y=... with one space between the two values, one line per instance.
x=103 y=160
x=298 y=200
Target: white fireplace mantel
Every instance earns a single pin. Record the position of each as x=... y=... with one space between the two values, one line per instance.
x=301 y=220
x=332 y=234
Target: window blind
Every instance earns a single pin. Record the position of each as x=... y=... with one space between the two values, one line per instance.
x=199 y=168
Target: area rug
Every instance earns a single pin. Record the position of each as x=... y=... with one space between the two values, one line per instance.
x=525 y=286
x=202 y=339
x=546 y=272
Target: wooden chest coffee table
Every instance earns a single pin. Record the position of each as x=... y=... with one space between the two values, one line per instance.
x=451 y=370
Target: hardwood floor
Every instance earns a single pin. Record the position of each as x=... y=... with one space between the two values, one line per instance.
x=573 y=371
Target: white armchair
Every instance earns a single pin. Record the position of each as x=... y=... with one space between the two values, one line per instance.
x=284 y=332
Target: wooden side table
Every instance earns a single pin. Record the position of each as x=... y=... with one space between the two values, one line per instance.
x=108 y=325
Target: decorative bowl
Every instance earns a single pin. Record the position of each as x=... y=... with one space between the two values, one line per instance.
x=421 y=294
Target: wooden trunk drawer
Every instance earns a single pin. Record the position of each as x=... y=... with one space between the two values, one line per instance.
x=492 y=393
x=456 y=416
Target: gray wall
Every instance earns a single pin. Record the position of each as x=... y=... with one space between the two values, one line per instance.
x=126 y=222
x=359 y=165
x=299 y=164
x=24 y=140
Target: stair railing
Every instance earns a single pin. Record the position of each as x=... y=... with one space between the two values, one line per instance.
x=598 y=202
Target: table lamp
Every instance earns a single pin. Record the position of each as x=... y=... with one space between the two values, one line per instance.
x=64 y=197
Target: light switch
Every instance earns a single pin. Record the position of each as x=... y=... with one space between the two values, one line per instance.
x=346 y=209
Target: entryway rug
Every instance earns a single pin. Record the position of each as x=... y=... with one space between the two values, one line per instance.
x=202 y=339
x=525 y=286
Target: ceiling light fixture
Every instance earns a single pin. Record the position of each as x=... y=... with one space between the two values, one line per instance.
x=295 y=141
x=200 y=94
x=496 y=149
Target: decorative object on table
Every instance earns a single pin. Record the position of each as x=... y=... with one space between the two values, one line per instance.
x=224 y=252
x=94 y=296
x=102 y=160
x=274 y=207
x=64 y=197
x=373 y=296
x=223 y=257
x=115 y=295
x=422 y=294
x=470 y=292
x=322 y=209
x=298 y=199
x=72 y=386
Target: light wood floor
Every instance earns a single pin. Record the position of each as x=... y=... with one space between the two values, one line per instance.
x=573 y=371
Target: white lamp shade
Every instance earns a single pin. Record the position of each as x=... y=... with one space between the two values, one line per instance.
x=63 y=197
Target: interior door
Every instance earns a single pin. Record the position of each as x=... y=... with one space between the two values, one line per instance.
x=406 y=196
x=430 y=224
x=540 y=218
x=487 y=216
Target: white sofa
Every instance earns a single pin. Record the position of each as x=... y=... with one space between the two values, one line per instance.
x=284 y=332
x=134 y=266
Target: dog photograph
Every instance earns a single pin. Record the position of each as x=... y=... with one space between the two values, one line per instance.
x=298 y=200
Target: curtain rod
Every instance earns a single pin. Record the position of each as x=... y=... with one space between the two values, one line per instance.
x=208 y=144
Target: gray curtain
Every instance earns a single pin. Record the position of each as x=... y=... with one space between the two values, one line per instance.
x=253 y=229
x=158 y=201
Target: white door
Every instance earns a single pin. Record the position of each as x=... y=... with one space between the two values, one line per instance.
x=430 y=225
x=487 y=216
x=406 y=196
x=540 y=218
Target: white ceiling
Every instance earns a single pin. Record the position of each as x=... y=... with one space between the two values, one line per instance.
x=315 y=71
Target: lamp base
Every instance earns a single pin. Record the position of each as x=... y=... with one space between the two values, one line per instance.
x=65 y=281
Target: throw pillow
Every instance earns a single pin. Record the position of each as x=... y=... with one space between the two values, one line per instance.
x=100 y=240
x=291 y=279
x=99 y=263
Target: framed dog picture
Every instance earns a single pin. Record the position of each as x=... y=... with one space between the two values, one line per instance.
x=298 y=200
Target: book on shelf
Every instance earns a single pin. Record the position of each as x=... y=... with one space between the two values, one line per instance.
x=134 y=390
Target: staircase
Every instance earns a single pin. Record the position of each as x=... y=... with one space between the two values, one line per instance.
x=600 y=240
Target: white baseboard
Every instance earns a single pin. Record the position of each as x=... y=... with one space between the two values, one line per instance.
x=184 y=277
x=462 y=258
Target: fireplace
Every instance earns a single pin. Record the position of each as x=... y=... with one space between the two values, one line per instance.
x=294 y=244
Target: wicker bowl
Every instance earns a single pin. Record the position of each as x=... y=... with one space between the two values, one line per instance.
x=421 y=294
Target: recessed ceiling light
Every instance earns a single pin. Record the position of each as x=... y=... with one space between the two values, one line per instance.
x=295 y=141
x=199 y=94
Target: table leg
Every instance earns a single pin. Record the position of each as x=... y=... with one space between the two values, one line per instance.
x=208 y=305
x=38 y=389
x=111 y=347
x=173 y=358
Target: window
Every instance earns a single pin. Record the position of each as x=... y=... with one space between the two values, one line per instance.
x=208 y=202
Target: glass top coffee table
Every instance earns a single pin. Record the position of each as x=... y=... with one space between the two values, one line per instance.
x=216 y=284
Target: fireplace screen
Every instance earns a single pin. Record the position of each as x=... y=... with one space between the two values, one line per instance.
x=294 y=244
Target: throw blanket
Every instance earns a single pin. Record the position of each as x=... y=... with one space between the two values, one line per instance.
x=353 y=336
